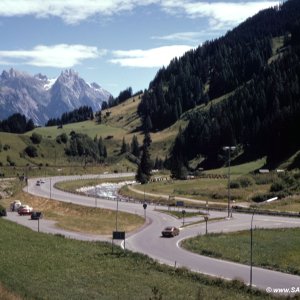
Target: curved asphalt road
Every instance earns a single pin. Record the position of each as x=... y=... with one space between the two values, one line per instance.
x=148 y=239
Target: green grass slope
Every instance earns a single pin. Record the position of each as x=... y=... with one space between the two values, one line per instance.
x=41 y=266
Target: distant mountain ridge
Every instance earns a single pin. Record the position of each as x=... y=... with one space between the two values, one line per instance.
x=40 y=98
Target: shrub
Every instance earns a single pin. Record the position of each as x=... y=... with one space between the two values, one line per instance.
x=277 y=186
x=10 y=162
x=36 y=138
x=62 y=138
x=31 y=151
x=264 y=178
x=6 y=147
x=261 y=198
x=235 y=184
x=246 y=181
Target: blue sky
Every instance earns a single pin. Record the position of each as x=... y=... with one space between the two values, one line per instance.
x=116 y=43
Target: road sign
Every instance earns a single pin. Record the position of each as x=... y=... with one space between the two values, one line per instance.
x=179 y=203
x=118 y=235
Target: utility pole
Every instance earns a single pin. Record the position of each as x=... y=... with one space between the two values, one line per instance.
x=229 y=149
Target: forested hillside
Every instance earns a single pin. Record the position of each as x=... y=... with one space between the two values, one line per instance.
x=261 y=115
x=217 y=67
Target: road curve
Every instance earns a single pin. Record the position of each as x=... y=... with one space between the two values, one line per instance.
x=168 y=251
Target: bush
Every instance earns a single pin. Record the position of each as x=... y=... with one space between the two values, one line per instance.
x=10 y=162
x=36 y=138
x=6 y=147
x=277 y=186
x=261 y=198
x=246 y=181
x=31 y=151
x=264 y=178
x=235 y=184
x=62 y=138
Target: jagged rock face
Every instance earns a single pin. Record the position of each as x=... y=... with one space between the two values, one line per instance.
x=40 y=98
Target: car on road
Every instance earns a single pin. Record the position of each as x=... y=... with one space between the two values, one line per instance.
x=36 y=215
x=2 y=211
x=170 y=231
x=38 y=183
x=25 y=210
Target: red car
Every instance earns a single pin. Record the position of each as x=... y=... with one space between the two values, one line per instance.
x=25 y=210
x=170 y=231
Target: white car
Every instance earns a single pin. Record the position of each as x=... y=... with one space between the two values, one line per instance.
x=14 y=206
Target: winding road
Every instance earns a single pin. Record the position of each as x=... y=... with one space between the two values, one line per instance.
x=149 y=241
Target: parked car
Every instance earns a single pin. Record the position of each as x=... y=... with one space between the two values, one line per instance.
x=2 y=211
x=25 y=210
x=36 y=215
x=15 y=205
x=170 y=231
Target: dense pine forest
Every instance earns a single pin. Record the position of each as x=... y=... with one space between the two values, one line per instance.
x=16 y=123
x=256 y=69
x=80 y=114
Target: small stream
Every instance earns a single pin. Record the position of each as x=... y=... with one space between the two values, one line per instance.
x=106 y=190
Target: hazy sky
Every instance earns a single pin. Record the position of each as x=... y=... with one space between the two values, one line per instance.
x=116 y=43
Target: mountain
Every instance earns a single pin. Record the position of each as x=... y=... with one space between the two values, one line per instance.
x=40 y=98
x=242 y=89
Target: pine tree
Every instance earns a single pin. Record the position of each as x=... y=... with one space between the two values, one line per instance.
x=98 y=116
x=135 y=147
x=144 y=169
x=124 y=147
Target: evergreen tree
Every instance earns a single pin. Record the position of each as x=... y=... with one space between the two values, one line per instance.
x=124 y=147
x=144 y=169
x=178 y=160
x=104 y=152
x=98 y=116
x=101 y=146
x=135 y=147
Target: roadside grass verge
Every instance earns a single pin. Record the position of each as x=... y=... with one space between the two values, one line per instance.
x=276 y=249
x=212 y=190
x=41 y=266
x=241 y=169
x=178 y=213
x=81 y=218
x=291 y=204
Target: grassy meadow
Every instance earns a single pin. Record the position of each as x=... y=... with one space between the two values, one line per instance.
x=212 y=190
x=121 y=122
x=40 y=266
x=276 y=249
x=77 y=217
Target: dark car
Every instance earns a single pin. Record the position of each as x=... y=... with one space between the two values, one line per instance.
x=2 y=212
x=170 y=231
x=36 y=215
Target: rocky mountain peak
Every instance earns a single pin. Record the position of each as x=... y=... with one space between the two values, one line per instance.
x=41 y=77
x=12 y=73
x=40 y=98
